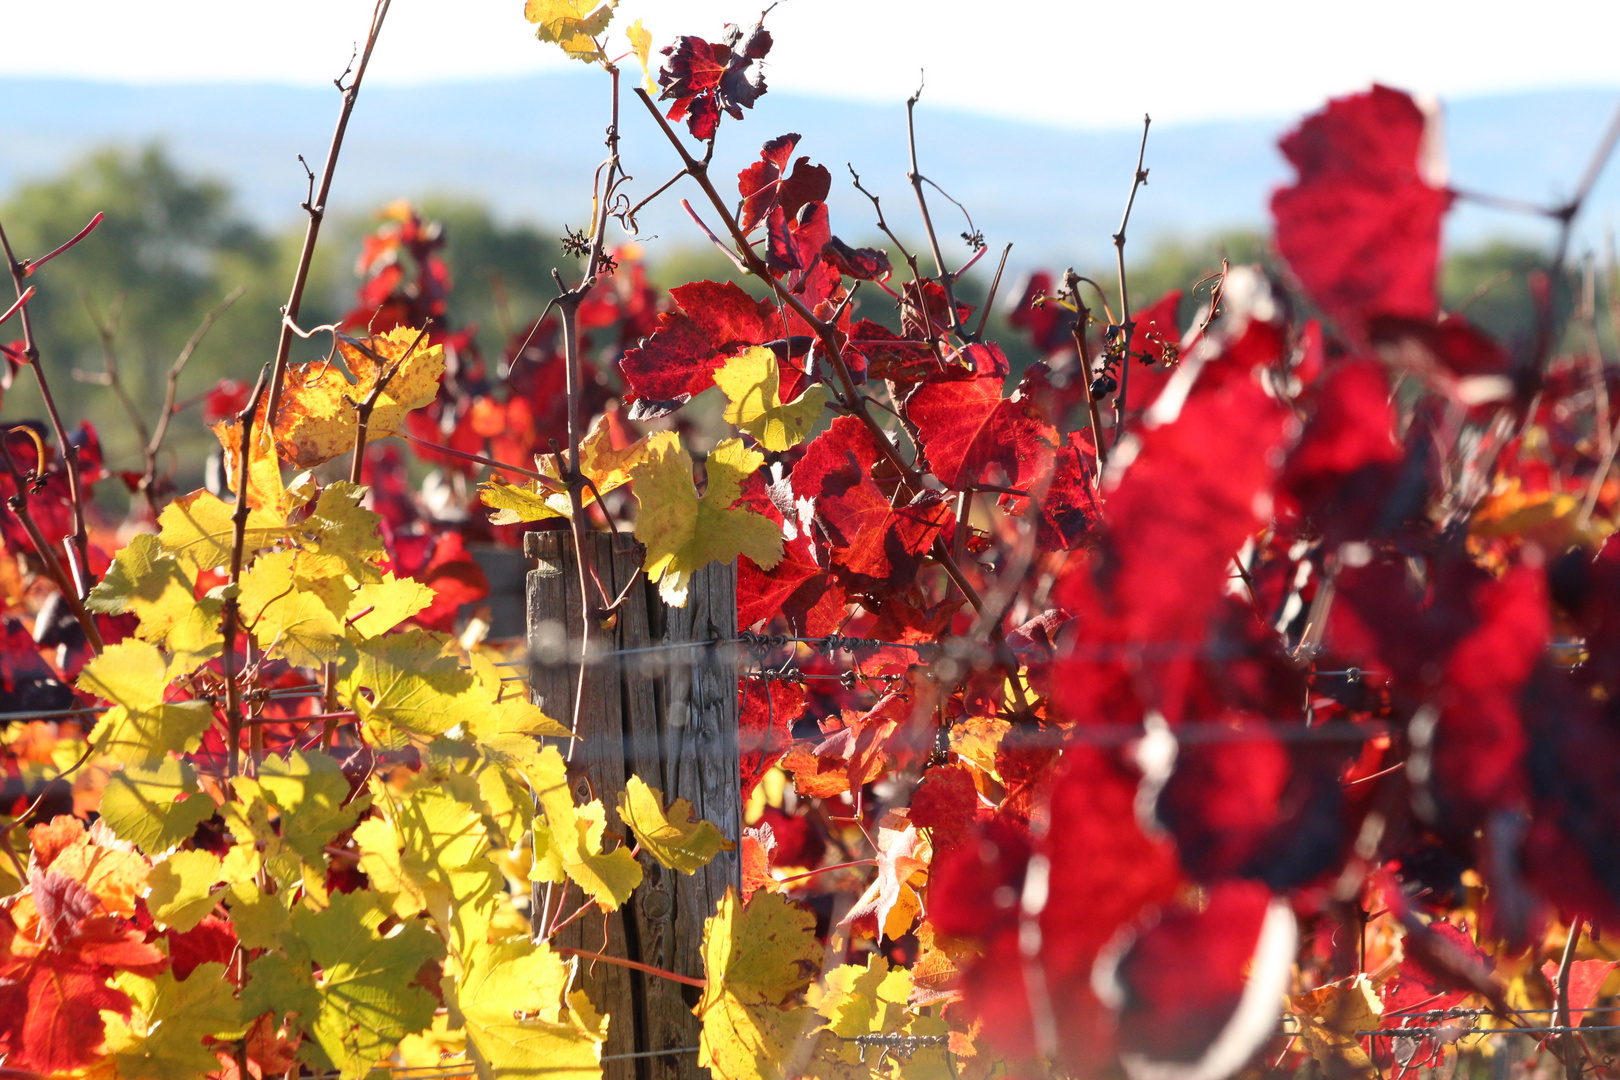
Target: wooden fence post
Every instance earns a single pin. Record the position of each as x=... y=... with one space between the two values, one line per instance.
x=668 y=715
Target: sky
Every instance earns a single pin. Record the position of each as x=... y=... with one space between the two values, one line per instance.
x=1077 y=64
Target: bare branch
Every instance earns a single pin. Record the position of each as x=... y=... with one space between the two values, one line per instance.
x=1126 y=325
x=316 y=208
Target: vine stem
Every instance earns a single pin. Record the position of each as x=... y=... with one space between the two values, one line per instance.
x=1126 y=325
x=172 y=389
x=569 y=950
x=1565 y=215
x=70 y=454
x=947 y=279
x=315 y=207
x=1072 y=281
x=230 y=615
x=1572 y=1066
x=567 y=302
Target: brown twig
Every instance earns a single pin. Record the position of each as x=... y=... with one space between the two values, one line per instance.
x=70 y=454
x=172 y=387
x=28 y=266
x=1572 y=1066
x=550 y=483
x=106 y=331
x=1565 y=215
x=315 y=207
x=230 y=615
x=947 y=280
x=1078 y=328
x=990 y=299
x=1126 y=325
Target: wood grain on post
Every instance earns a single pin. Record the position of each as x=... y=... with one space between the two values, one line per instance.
x=670 y=717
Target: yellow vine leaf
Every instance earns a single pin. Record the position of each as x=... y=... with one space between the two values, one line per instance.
x=520 y=1021
x=141 y=728
x=181 y=888
x=163 y=1037
x=1329 y=1018
x=870 y=1000
x=576 y=837
x=430 y=852
x=315 y=423
x=197 y=527
x=288 y=613
x=404 y=684
x=379 y=606
x=159 y=589
x=641 y=41
x=752 y=380
x=571 y=24
x=606 y=467
x=1549 y=518
x=367 y=995
x=684 y=532
x=346 y=535
x=434 y=1048
x=503 y=712
x=670 y=836
x=155 y=809
x=755 y=959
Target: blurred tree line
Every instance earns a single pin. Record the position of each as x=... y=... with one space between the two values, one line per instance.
x=174 y=245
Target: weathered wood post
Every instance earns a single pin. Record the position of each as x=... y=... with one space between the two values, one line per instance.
x=668 y=715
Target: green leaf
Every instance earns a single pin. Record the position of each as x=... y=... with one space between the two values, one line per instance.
x=155 y=809
x=310 y=790
x=162 y=1039
x=752 y=381
x=257 y=918
x=576 y=836
x=181 y=888
x=671 y=836
x=430 y=852
x=141 y=729
x=368 y=994
x=279 y=985
x=520 y=1021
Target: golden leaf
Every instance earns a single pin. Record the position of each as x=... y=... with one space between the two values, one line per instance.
x=684 y=532
x=752 y=380
x=318 y=419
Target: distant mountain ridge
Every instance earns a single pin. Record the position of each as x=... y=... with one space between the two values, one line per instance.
x=527 y=148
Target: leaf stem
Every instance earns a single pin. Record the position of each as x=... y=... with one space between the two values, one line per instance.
x=568 y=950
